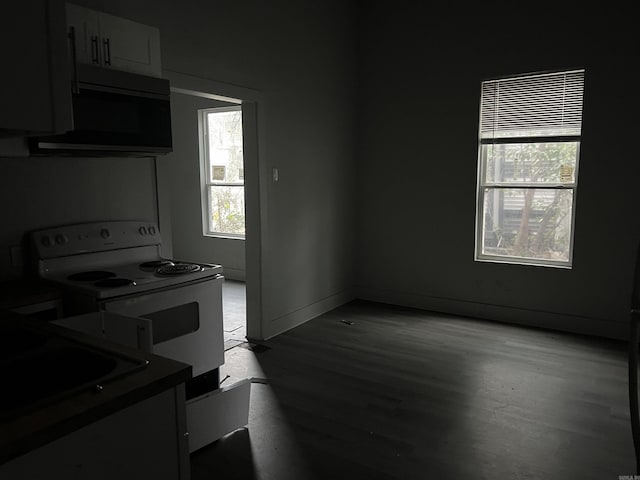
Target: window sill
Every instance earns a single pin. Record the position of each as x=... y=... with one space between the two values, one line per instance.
x=222 y=235
x=529 y=262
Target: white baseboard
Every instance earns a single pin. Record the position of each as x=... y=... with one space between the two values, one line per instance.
x=234 y=274
x=304 y=314
x=599 y=327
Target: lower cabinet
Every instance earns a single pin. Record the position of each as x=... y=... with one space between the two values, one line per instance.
x=145 y=440
x=209 y=416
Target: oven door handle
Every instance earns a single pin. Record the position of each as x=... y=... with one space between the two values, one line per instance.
x=136 y=332
x=144 y=333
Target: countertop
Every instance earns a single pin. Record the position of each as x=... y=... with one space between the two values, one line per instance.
x=17 y=292
x=33 y=429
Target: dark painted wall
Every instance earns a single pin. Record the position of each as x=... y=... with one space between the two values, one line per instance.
x=419 y=105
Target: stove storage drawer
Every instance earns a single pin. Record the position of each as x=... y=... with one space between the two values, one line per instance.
x=217 y=413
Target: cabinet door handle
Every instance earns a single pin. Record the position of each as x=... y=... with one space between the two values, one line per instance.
x=107 y=51
x=75 y=88
x=94 y=49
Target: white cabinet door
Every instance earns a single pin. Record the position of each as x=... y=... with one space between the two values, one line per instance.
x=145 y=440
x=84 y=29
x=130 y=46
x=113 y=42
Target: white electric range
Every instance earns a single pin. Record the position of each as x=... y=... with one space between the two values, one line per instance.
x=118 y=267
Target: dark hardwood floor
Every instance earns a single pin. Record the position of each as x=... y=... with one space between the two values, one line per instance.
x=370 y=391
x=234 y=311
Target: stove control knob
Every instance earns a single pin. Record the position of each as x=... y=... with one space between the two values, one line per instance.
x=142 y=230
x=61 y=239
x=46 y=241
x=152 y=230
x=105 y=233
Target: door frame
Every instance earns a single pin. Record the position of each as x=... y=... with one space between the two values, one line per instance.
x=252 y=104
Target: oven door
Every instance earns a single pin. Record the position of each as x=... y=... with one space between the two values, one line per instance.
x=186 y=321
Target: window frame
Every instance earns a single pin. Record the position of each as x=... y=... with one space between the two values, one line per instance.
x=482 y=186
x=205 y=167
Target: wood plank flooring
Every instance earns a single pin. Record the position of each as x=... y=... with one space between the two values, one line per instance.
x=234 y=311
x=371 y=391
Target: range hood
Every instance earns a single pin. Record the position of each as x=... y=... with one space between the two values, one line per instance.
x=115 y=113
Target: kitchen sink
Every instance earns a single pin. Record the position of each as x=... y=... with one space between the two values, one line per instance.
x=37 y=369
x=15 y=341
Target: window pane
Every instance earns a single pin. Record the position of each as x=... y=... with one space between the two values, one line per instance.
x=226 y=208
x=527 y=222
x=553 y=162
x=225 y=147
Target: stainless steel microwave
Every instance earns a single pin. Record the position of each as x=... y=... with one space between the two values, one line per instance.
x=115 y=113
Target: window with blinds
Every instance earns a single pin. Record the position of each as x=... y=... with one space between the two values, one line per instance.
x=529 y=144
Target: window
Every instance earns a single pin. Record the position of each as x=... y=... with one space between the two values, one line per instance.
x=529 y=144
x=222 y=172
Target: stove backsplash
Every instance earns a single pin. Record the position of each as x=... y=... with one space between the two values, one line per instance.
x=39 y=192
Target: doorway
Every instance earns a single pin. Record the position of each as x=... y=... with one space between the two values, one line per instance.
x=223 y=207
x=234 y=307
x=241 y=290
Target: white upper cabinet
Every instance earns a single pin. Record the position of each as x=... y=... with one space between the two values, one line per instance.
x=82 y=25
x=112 y=42
x=39 y=60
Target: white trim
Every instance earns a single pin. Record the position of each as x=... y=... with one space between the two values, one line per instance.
x=208 y=88
x=227 y=236
x=594 y=326
x=481 y=189
x=202 y=160
x=205 y=167
x=235 y=108
x=298 y=317
x=193 y=93
x=532 y=262
x=256 y=177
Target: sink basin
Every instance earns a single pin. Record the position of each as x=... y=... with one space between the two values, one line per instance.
x=15 y=341
x=36 y=369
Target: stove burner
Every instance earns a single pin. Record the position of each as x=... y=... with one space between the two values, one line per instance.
x=91 y=276
x=178 y=269
x=156 y=263
x=114 y=282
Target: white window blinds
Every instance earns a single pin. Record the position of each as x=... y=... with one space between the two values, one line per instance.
x=543 y=105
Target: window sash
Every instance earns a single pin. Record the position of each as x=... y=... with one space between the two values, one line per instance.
x=209 y=230
x=207 y=183
x=484 y=186
x=520 y=259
